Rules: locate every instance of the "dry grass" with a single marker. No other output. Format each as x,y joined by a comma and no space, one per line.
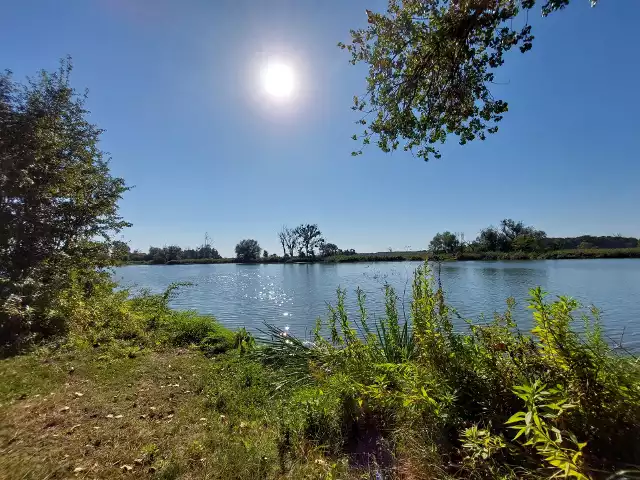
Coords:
92,416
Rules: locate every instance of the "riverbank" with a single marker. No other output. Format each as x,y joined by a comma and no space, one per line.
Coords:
424,255
136,388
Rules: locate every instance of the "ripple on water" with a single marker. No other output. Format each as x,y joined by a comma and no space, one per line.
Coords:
249,295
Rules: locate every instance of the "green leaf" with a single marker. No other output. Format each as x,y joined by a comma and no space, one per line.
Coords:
527,417
520,432
516,417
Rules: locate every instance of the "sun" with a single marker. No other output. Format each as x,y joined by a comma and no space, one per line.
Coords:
278,80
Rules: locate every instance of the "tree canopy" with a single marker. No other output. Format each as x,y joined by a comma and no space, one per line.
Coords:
248,249
431,66
309,236
58,200
445,242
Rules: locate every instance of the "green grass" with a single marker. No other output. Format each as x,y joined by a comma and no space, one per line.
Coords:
171,413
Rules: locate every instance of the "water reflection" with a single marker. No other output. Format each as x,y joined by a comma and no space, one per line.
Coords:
298,294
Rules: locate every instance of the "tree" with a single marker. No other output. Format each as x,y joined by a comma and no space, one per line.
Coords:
206,250
431,66
445,242
58,199
120,251
157,255
526,243
265,254
309,236
173,252
289,240
328,249
247,250
511,229
489,240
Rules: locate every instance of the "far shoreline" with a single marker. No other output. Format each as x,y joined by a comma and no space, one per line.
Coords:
572,254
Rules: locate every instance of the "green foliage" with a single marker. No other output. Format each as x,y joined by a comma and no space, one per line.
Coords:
247,250
545,406
480,444
424,386
328,249
445,242
58,202
243,341
431,66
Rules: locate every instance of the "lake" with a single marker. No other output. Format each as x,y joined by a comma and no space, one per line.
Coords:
297,294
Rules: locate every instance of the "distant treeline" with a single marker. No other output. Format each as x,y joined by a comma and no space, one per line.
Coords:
302,243
511,240
512,236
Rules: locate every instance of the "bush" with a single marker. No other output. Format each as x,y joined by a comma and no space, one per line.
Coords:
190,328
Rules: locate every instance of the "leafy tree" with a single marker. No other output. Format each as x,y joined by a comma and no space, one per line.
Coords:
309,236
58,200
445,242
489,240
158,255
328,249
289,240
511,229
265,254
247,250
120,251
431,66
526,243
173,252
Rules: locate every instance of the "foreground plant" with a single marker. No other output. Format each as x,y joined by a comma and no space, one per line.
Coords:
422,391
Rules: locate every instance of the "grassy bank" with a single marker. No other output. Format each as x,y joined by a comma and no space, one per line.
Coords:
137,388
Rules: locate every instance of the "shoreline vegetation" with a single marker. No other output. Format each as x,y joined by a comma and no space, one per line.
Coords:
416,256
512,240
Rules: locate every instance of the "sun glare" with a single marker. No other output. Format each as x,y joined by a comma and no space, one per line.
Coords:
278,80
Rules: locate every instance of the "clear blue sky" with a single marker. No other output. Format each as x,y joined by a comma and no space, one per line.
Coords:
176,87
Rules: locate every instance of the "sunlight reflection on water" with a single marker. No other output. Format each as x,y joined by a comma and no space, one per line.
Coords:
298,294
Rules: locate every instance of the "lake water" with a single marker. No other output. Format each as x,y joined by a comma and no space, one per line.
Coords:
297,294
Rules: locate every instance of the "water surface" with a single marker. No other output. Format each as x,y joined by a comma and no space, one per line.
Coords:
297,294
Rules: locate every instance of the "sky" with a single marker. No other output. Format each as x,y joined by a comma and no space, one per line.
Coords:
177,86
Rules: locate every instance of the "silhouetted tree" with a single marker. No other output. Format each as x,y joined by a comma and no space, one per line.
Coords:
289,240
247,250
310,236
328,249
